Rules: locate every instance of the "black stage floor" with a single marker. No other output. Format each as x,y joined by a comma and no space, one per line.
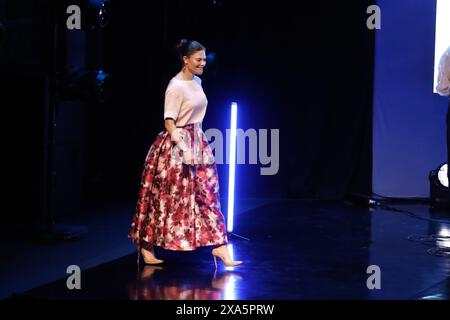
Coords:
293,250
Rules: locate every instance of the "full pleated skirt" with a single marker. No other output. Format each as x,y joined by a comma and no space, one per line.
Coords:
178,205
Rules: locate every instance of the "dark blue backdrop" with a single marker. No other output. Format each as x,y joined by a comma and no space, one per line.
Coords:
409,119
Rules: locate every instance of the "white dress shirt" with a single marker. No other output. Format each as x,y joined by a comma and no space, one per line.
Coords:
443,85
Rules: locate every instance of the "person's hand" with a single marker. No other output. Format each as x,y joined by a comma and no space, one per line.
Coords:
186,152
187,156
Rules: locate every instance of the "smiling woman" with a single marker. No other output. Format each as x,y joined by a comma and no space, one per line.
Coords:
179,204
192,57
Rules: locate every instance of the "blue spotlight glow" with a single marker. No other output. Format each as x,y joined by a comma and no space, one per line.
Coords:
232,167
96,3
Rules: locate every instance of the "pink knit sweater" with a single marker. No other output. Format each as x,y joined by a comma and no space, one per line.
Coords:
185,101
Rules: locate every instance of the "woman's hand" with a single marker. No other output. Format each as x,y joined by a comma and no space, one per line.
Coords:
187,157
176,137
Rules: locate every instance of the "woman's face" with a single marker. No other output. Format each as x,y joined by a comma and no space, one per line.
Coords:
196,62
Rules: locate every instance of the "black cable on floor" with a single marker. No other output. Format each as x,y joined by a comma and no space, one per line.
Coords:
411,214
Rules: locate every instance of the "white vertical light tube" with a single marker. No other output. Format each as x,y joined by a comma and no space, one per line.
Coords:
232,167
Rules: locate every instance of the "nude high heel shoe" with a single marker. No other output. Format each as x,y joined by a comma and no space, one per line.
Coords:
149,256
222,253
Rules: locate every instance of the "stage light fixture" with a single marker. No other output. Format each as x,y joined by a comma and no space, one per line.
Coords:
439,187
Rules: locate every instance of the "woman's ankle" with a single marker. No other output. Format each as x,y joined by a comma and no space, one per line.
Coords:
146,246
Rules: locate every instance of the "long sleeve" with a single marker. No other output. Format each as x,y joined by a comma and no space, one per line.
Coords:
172,104
443,82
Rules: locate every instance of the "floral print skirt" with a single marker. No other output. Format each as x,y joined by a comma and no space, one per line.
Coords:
178,205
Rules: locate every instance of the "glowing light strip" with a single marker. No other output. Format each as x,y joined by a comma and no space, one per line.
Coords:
232,167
